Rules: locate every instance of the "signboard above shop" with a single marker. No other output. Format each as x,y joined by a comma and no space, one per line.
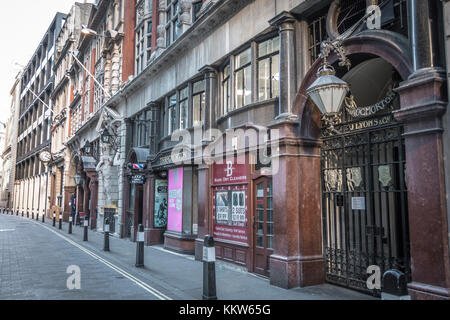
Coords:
137,179
230,171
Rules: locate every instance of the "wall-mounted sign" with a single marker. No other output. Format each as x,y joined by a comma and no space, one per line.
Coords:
230,172
358,203
137,179
175,211
161,203
167,159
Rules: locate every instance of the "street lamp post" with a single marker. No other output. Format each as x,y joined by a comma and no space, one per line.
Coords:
45,157
77,179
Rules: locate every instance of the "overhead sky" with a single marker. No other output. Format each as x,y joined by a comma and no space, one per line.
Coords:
23,24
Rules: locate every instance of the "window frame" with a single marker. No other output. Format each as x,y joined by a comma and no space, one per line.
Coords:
184,99
173,8
226,92
143,35
269,56
172,110
202,94
235,74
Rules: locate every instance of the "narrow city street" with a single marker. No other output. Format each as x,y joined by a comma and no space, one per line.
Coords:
35,258
34,261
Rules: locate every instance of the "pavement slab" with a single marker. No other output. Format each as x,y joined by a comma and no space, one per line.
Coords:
35,257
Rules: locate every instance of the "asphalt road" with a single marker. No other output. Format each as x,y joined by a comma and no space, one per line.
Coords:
35,259
34,262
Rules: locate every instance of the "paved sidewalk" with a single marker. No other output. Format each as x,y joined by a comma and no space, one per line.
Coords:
182,276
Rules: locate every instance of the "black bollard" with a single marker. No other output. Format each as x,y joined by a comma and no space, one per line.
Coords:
32,215
140,247
70,224
43,217
28,214
37,216
23,214
86,224
106,230
209,269
60,221
54,220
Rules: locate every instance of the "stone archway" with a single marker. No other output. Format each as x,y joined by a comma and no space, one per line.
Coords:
298,255
387,45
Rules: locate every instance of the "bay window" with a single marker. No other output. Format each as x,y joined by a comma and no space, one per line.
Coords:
172,108
143,34
184,108
243,79
226,87
268,69
173,26
198,97
141,130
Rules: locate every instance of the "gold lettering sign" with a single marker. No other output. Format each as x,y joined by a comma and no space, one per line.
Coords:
362,112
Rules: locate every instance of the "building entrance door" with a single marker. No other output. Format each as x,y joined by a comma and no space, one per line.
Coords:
263,226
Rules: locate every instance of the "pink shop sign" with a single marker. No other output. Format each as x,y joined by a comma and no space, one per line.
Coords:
175,212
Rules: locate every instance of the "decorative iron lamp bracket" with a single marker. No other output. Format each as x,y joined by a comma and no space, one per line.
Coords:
328,91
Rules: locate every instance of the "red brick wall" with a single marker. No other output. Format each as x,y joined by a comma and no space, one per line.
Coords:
84,94
91,98
129,38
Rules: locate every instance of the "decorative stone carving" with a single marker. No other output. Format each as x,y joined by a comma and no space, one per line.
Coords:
185,14
161,29
140,12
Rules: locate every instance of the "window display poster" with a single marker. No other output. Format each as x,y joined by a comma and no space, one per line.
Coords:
238,206
161,203
230,214
222,206
175,211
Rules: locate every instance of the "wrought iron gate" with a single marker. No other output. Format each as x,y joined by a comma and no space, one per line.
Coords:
364,198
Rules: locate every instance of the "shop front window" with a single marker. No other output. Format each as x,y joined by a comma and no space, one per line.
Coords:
131,198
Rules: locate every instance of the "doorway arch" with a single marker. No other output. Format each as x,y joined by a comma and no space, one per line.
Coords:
390,46
393,50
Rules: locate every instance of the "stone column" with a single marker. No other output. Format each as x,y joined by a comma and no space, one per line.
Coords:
285,22
203,209
423,102
115,68
297,259
186,15
210,98
161,29
446,118
107,76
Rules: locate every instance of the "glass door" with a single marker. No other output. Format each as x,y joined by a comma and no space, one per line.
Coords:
263,226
